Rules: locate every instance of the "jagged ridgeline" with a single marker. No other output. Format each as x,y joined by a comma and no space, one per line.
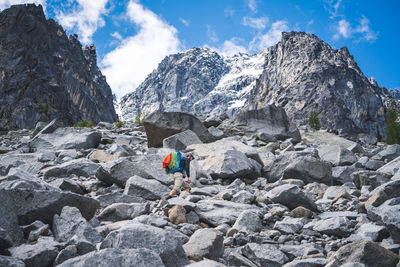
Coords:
301,73
46,75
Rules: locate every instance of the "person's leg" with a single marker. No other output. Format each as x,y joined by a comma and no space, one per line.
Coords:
178,180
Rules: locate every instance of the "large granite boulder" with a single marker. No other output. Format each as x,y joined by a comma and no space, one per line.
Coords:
70,222
217,212
291,196
269,120
181,140
391,167
145,188
116,257
10,232
80,167
46,74
123,211
264,254
365,252
337,155
205,243
309,169
160,125
138,235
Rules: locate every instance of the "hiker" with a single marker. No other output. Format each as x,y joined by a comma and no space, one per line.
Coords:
180,172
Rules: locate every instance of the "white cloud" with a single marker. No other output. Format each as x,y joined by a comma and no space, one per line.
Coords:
362,30
256,23
252,4
270,38
84,18
229,12
333,8
185,22
137,56
7,3
230,47
212,35
117,35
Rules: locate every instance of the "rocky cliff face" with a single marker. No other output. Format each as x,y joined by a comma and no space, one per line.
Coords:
301,74
46,75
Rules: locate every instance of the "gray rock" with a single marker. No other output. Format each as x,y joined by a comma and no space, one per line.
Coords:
337,155
248,221
116,197
337,226
47,156
369,231
145,188
299,251
236,259
264,254
116,257
244,197
151,219
42,231
79,167
270,120
181,140
309,169
31,204
366,252
374,164
10,232
160,125
66,184
41,253
166,245
342,174
206,262
313,262
204,243
123,211
384,192
291,196
290,225
189,206
372,178
6,261
70,222
217,212
387,214
390,168
388,154
147,166
67,253
26,161
67,138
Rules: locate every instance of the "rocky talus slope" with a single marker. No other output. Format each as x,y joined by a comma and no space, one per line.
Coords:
301,73
46,75
96,197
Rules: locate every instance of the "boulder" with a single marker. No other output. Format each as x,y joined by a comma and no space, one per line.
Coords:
217,212
301,251
367,177
388,154
41,204
177,214
116,257
26,161
337,155
336,226
248,221
66,184
290,225
145,188
67,138
313,262
244,197
369,231
205,243
182,140
116,197
206,262
189,206
146,166
137,235
70,222
160,125
384,192
270,120
41,253
366,252
123,211
301,212
10,232
342,174
80,167
291,196
6,261
390,168
388,215
264,254
230,165
309,169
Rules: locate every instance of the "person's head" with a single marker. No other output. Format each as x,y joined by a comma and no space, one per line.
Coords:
190,156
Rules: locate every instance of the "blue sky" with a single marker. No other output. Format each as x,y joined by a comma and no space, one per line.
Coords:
133,36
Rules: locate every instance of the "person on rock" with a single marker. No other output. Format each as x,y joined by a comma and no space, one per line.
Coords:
180,174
